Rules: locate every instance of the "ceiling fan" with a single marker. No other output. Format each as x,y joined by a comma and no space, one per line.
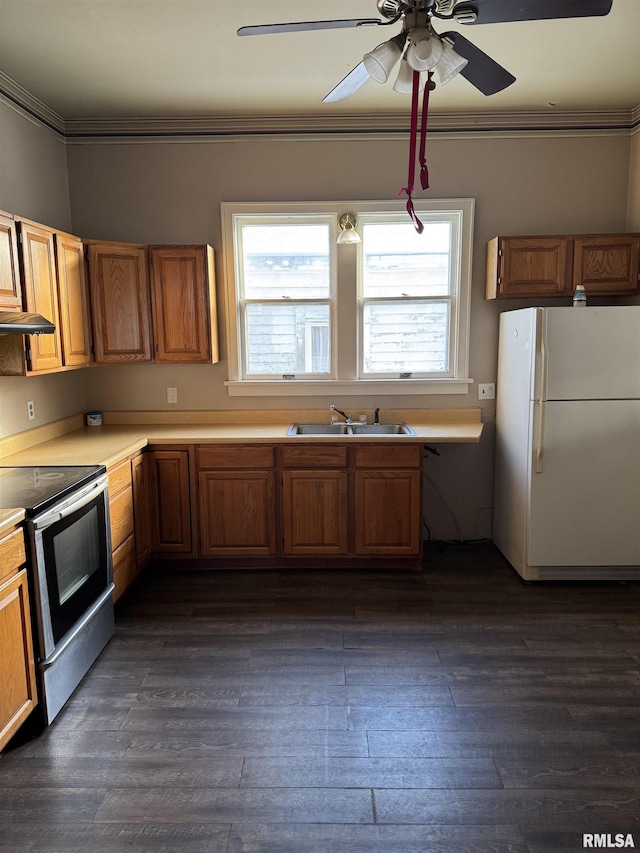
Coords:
447,53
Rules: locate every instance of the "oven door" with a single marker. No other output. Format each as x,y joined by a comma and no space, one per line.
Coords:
73,566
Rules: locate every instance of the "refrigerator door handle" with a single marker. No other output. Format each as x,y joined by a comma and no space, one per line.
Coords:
539,445
540,381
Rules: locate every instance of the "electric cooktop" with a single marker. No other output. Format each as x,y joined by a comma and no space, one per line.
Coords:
35,489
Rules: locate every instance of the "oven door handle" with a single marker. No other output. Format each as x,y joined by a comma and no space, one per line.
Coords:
53,515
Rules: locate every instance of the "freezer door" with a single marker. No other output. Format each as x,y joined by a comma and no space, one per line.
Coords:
591,353
584,505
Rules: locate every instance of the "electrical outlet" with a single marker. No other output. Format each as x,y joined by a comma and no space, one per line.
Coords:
172,395
486,391
31,410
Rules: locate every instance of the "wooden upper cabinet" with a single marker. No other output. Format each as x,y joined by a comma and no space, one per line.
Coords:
10,290
119,284
41,293
607,263
184,304
528,266
74,301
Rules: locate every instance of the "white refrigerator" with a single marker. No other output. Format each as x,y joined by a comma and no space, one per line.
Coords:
567,469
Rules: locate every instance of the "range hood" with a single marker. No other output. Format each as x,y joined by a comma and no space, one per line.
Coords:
21,323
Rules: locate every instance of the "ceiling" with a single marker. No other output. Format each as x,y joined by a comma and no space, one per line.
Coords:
124,59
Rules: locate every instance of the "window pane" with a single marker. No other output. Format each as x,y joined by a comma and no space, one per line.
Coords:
285,261
406,337
398,261
288,338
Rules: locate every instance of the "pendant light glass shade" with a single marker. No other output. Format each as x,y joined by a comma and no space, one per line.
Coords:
380,61
449,64
404,80
424,51
348,233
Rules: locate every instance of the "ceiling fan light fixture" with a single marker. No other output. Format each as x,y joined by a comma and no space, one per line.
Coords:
449,65
380,61
424,51
404,80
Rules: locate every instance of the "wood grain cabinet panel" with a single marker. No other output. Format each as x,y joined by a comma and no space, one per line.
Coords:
607,264
73,301
528,266
18,696
237,513
171,501
10,289
120,300
388,512
41,294
141,508
315,512
184,304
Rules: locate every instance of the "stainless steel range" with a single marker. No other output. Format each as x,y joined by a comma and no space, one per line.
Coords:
71,569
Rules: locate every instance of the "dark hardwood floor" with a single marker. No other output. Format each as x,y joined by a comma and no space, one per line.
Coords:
454,710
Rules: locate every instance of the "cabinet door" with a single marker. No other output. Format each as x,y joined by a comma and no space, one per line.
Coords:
529,266
41,294
237,513
183,304
315,512
17,666
607,264
141,507
10,291
388,512
74,301
119,283
169,470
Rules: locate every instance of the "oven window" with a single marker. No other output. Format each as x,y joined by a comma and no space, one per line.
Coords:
78,566
77,554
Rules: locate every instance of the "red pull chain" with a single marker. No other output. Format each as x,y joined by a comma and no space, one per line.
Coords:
424,171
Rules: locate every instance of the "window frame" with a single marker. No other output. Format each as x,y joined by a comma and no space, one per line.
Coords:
344,324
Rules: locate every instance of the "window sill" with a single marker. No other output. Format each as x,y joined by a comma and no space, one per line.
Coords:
354,387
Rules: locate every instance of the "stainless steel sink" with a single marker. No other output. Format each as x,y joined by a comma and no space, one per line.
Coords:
318,429
382,429
350,429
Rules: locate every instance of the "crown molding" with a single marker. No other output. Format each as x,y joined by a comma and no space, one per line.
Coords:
316,125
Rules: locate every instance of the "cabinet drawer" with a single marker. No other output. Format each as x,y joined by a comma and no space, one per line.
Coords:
119,478
383,456
121,510
12,553
314,456
125,568
235,456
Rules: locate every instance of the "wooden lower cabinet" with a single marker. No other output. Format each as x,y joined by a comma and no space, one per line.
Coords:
388,512
315,512
18,696
237,513
169,479
141,508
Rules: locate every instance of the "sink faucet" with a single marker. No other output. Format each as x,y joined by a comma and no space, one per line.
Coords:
376,416
347,418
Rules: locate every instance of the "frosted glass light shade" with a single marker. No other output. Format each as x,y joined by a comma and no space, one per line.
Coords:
348,233
449,64
380,61
404,80
424,51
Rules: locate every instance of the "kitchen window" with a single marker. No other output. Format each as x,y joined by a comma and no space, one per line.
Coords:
387,315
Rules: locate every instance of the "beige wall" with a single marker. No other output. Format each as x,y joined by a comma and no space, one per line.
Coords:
34,183
171,192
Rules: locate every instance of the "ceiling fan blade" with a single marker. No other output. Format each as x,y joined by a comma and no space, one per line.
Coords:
349,85
305,26
500,11
481,71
